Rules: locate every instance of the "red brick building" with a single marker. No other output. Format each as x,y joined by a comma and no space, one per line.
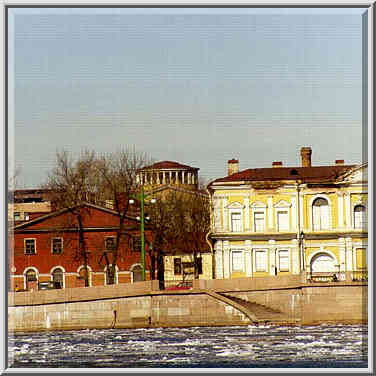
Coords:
46,249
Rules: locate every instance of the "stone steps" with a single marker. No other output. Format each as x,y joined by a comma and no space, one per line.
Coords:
263,313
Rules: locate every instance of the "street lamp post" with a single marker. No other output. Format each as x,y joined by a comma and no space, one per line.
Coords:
142,197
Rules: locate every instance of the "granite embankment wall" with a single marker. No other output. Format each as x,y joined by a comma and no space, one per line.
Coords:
143,305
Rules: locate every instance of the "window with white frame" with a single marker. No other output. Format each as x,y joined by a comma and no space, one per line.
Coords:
236,222
259,221
261,262
283,220
30,248
360,220
320,214
17,216
237,261
283,260
57,246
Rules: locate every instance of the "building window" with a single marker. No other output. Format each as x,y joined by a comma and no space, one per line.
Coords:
361,259
283,220
261,261
110,243
320,214
30,247
31,276
237,261
283,258
111,275
236,222
177,266
57,246
26,216
259,221
57,277
360,221
17,216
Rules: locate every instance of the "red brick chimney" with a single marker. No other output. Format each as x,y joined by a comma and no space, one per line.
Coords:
306,153
340,162
232,166
277,164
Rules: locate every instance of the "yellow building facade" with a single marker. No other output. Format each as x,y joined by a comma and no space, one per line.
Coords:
291,220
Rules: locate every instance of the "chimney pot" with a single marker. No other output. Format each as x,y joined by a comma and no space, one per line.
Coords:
277,164
232,166
340,161
306,153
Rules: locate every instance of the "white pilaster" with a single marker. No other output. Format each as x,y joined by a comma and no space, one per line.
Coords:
302,227
293,213
348,210
340,210
226,259
248,258
270,213
246,203
218,259
349,255
225,214
295,257
272,258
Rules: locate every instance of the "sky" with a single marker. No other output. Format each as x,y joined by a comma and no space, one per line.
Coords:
196,86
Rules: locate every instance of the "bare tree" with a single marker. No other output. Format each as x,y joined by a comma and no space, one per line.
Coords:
72,184
118,174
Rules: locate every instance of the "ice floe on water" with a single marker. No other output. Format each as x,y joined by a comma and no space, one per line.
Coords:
203,347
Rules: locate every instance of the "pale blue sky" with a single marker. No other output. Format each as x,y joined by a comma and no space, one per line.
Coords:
198,86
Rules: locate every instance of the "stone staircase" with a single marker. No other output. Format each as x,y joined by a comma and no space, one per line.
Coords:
263,313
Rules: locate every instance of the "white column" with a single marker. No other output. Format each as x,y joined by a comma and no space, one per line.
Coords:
170,177
248,258
340,210
270,213
272,258
246,203
183,177
348,210
226,259
293,213
163,177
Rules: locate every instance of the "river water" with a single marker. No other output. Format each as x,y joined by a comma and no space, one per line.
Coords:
330,346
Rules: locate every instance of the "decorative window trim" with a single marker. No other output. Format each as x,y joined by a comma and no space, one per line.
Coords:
258,206
131,270
61,268
236,211
282,204
25,272
35,246
232,260
311,201
281,210
288,250
90,272
321,250
52,245
255,269
353,206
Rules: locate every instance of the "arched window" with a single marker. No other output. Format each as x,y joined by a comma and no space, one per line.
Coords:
360,221
31,279
320,214
137,273
57,278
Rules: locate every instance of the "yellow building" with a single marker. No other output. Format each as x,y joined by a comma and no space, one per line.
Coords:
291,220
